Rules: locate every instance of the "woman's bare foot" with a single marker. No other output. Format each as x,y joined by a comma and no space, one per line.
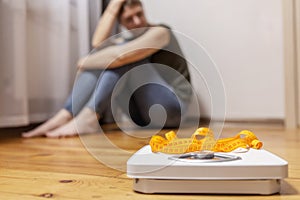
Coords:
85,122
61,118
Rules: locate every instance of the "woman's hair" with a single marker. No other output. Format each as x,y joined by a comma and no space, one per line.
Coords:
129,3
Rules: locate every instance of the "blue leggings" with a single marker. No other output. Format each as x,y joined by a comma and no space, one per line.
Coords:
95,88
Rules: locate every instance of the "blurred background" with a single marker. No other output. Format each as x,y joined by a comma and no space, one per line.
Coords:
254,45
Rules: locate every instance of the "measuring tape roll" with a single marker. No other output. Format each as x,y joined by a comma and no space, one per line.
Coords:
171,144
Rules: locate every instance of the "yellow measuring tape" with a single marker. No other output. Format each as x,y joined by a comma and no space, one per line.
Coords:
173,145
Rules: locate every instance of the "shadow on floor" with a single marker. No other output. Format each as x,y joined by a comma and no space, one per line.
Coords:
16,131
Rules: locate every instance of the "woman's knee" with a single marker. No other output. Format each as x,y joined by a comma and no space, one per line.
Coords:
174,115
169,112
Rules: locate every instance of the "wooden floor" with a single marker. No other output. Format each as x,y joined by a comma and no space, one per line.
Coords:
92,167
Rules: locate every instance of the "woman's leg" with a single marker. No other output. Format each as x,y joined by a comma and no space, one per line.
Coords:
81,92
155,106
87,119
149,89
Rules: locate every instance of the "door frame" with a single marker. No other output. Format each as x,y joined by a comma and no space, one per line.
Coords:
291,31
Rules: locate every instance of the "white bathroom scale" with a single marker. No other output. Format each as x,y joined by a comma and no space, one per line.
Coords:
251,172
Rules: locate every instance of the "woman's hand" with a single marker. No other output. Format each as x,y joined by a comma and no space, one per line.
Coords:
114,6
80,63
100,59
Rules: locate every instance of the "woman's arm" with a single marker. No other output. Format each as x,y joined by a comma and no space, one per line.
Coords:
116,56
106,22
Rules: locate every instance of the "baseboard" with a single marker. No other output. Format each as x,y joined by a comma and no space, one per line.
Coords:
247,123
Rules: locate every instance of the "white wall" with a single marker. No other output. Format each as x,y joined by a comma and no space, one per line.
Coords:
244,39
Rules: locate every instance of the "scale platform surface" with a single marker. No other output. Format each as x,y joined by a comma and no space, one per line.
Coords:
251,172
